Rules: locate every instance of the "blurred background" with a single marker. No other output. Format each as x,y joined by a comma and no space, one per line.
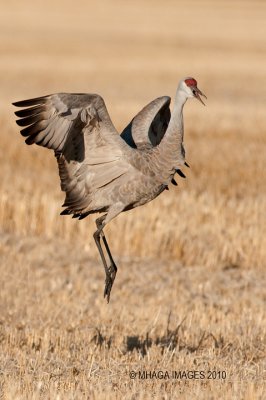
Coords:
130,53
190,288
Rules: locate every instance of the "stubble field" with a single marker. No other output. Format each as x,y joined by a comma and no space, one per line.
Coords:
189,297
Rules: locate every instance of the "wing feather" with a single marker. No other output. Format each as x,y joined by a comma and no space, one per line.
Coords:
27,112
101,175
31,102
87,146
148,127
34,129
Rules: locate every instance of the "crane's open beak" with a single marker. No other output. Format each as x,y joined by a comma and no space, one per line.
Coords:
197,93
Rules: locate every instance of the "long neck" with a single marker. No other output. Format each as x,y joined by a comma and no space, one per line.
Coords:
176,126
170,149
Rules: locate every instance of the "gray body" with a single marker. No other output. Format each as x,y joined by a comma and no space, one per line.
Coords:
100,170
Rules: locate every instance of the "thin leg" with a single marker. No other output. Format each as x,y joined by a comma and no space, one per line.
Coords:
110,278
97,235
107,248
110,272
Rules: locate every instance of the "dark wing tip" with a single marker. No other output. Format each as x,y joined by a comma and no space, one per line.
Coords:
30,102
66,212
180,173
30,117
26,131
28,120
174,182
30,111
30,140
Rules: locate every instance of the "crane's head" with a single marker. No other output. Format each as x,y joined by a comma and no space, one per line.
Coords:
189,86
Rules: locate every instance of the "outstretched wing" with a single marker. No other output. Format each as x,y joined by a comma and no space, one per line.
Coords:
148,127
52,120
88,149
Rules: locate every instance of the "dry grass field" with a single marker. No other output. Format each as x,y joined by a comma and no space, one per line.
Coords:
189,296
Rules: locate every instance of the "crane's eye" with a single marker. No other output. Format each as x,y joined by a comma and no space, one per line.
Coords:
194,92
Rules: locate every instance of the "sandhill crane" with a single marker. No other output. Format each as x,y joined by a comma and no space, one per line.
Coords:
100,170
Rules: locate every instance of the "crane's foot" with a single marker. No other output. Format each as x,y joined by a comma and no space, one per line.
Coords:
109,280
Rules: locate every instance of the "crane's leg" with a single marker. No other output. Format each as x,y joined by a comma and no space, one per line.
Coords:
110,277
110,272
